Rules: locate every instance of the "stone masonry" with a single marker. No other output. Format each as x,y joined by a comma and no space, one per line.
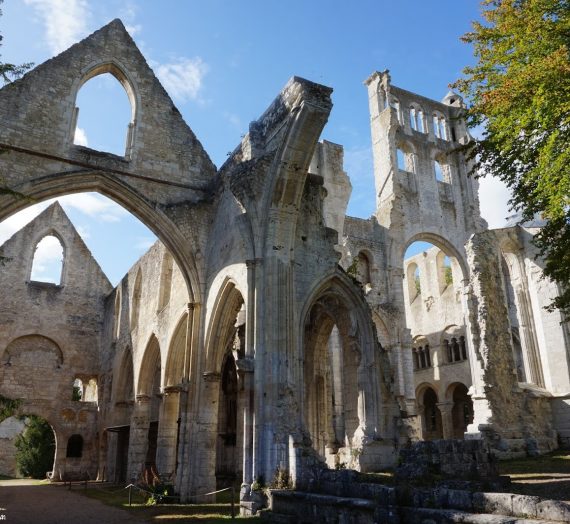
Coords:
266,332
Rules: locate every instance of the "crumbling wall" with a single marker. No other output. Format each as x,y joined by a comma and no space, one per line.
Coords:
515,421
49,335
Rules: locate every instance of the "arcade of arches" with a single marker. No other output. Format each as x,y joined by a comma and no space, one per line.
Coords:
266,330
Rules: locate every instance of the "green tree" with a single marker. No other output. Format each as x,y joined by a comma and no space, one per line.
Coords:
519,92
9,72
35,448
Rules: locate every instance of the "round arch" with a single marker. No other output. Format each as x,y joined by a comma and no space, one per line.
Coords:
109,185
32,340
423,387
440,242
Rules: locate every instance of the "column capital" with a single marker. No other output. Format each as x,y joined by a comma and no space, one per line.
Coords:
169,390
211,376
142,398
245,365
445,406
251,263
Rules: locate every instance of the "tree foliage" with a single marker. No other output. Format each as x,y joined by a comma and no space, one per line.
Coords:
519,91
9,72
35,448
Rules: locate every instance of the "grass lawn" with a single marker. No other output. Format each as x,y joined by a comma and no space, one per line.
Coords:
167,513
546,476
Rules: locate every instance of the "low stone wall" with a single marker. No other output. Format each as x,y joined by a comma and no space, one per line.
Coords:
412,506
455,459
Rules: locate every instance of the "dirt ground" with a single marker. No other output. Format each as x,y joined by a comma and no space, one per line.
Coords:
26,502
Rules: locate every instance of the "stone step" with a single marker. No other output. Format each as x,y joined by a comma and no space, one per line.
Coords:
452,516
423,507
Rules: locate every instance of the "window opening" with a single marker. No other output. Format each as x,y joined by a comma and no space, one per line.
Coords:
165,280
413,121
47,265
401,160
438,171
77,393
104,115
135,305
75,446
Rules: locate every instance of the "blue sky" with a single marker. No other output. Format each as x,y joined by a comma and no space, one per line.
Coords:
223,62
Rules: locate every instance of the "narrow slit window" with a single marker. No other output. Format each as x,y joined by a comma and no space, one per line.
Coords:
438,171
401,160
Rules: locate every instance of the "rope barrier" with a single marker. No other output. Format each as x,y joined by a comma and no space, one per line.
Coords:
161,497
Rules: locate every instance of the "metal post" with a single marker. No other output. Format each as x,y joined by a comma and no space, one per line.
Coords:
233,498
130,493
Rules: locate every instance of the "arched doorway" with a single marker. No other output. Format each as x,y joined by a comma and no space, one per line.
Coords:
118,431
228,388
432,427
341,392
462,411
28,446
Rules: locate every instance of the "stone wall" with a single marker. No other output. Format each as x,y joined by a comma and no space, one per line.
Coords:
50,335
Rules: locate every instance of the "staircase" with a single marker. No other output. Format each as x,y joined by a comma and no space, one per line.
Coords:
362,503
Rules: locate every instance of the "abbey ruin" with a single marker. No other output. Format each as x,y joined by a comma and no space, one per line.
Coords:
266,330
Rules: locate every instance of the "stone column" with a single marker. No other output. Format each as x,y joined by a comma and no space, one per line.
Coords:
138,438
421,409
245,372
206,435
168,433
446,410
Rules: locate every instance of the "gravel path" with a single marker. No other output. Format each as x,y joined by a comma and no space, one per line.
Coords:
25,502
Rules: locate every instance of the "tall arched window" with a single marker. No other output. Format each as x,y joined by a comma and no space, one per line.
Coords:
165,280
47,265
444,271
406,158
395,104
413,278
117,313
105,111
136,301
440,126
417,119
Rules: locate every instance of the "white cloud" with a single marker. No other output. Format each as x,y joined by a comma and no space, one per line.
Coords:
183,78
133,29
493,199
16,222
80,137
144,243
128,14
65,21
94,206
233,119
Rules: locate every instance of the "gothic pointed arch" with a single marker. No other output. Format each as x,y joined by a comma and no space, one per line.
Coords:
174,372
148,368
338,348
221,328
